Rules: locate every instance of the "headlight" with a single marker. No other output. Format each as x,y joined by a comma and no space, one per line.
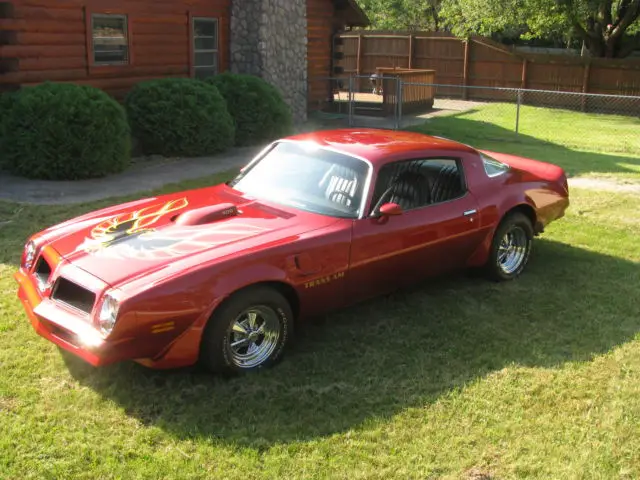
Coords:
29,255
108,314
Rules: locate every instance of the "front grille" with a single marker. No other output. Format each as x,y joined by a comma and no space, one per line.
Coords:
74,295
42,272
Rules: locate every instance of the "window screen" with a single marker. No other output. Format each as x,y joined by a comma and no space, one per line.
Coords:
205,47
110,39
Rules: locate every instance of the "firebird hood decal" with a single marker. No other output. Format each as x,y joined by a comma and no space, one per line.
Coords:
123,243
132,235
168,243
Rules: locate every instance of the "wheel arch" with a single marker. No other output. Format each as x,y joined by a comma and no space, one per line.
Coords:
528,211
481,255
282,287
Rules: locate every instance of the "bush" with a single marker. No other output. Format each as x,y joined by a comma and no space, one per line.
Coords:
179,117
259,112
6,104
60,131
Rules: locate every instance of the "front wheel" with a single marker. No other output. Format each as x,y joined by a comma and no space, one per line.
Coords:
248,332
511,248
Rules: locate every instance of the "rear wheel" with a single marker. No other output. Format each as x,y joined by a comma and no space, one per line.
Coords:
247,332
511,248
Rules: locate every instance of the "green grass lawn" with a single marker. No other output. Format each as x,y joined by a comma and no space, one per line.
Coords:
583,144
456,378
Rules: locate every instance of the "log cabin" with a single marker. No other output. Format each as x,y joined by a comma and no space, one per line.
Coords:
113,44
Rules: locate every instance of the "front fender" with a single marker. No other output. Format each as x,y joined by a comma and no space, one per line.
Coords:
185,349
235,279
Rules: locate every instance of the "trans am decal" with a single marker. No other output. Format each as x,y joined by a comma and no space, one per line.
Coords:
132,235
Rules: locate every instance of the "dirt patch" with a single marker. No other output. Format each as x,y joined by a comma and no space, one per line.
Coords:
478,474
607,184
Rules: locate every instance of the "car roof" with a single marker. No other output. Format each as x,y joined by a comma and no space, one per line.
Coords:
380,145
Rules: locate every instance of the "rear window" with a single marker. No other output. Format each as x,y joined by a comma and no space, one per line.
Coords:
492,166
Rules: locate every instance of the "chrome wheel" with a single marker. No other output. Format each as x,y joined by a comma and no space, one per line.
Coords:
513,250
253,336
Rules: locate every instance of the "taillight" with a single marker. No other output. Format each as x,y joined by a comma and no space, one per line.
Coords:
29,255
565,183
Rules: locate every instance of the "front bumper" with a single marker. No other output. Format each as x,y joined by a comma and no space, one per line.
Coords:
69,329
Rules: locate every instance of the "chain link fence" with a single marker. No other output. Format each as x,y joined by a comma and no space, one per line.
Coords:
579,120
358,100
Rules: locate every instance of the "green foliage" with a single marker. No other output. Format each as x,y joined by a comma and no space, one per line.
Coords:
6,104
64,132
179,117
606,26
481,17
259,112
403,14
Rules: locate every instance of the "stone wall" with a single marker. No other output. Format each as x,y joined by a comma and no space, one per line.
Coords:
269,39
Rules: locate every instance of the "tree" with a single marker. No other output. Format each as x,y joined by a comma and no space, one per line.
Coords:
403,14
608,28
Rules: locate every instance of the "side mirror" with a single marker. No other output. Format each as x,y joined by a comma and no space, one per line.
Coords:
390,210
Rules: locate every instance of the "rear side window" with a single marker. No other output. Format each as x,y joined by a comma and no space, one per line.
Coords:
492,166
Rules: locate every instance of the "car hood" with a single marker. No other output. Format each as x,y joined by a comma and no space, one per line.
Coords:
134,239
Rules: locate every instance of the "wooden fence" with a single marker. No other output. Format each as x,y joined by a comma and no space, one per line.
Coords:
478,61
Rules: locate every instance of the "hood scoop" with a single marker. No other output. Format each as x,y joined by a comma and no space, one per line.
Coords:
208,214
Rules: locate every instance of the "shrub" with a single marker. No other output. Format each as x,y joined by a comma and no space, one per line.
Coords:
259,112
179,116
58,131
6,104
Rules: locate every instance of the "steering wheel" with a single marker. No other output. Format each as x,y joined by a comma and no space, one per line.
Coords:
342,194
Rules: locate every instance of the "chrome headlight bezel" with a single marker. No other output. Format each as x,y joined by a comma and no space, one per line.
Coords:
29,255
108,313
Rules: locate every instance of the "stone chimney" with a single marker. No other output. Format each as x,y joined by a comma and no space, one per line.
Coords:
269,39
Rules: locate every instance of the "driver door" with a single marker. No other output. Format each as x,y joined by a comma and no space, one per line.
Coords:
436,232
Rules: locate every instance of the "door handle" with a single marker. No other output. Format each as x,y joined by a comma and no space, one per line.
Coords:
470,212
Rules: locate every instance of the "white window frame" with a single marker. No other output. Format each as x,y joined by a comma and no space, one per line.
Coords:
124,17
214,52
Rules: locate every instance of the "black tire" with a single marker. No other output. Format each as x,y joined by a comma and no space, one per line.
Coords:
518,225
217,353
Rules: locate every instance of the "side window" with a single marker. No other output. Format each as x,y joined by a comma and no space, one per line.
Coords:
493,167
419,183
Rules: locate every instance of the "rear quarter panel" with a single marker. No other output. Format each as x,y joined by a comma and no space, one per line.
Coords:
498,195
541,185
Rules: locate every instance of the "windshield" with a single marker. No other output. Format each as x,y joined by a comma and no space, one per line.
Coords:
307,177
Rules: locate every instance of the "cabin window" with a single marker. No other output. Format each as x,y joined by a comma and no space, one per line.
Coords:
419,183
110,39
205,47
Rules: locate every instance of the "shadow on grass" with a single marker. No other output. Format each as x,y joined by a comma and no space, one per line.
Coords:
489,136
405,350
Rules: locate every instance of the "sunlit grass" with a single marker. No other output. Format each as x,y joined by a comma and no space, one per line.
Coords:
538,378
584,144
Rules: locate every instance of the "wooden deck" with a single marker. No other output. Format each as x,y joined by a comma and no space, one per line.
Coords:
358,97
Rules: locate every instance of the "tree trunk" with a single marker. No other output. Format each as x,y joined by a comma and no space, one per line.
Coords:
599,46
604,34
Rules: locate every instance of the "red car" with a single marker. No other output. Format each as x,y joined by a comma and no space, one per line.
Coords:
313,223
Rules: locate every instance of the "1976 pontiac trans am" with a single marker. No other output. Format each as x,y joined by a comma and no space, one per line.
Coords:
220,275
